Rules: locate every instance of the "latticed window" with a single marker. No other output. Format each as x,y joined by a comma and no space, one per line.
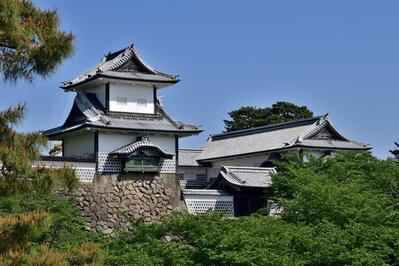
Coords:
142,164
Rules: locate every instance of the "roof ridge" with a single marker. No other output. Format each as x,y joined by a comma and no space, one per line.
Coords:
249,167
112,62
324,122
253,130
228,172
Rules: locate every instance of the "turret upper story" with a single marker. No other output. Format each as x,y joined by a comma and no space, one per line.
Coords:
123,82
120,94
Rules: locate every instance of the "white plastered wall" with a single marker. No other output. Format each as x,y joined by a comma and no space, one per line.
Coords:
79,145
249,161
131,98
188,169
108,142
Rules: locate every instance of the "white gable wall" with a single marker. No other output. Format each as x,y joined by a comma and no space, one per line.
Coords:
166,142
131,98
80,145
108,142
249,161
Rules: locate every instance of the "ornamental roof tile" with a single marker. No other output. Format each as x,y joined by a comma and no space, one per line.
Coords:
124,64
139,144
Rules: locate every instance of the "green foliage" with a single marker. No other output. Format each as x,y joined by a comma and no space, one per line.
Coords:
18,152
30,40
248,116
341,189
37,227
253,240
337,211
50,223
395,152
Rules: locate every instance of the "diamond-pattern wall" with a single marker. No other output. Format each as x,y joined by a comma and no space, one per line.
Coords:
108,164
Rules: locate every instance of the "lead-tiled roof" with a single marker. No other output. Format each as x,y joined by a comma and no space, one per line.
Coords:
295,134
87,112
188,157
253,177
124,64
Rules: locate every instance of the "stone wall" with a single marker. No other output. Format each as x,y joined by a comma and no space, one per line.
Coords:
106,203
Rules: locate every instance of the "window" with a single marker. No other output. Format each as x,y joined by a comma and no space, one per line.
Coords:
121,101
141,103
142,164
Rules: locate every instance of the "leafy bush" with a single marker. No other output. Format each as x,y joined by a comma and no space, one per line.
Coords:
337,211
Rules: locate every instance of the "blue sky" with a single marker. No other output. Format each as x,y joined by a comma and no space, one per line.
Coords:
336,57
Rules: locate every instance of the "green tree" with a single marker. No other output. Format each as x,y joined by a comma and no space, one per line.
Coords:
313,189
248,116
395,152
31,42
18,152
337,211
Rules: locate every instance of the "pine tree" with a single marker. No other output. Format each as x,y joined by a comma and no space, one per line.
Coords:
395,152
31,42
248,116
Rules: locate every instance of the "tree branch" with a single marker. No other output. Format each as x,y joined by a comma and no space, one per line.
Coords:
9,46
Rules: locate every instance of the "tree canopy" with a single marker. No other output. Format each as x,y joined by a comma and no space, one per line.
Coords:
33,220
248,116
31,42
337,211
395,152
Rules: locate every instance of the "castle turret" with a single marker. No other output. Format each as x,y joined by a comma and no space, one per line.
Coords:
116,104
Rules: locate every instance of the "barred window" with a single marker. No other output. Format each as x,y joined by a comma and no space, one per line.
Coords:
121,101
141,103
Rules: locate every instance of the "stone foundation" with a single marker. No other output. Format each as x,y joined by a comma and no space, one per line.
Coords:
112,198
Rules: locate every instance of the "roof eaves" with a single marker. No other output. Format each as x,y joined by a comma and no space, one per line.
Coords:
144,130
101,75
112,62
62,130
365,148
